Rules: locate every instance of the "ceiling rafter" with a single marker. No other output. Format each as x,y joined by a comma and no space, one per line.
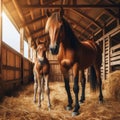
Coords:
40,37
17,7
36,31
86,16
69,6
81,34
35,20
78,24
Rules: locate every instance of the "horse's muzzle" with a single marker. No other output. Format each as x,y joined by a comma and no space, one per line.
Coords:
55,50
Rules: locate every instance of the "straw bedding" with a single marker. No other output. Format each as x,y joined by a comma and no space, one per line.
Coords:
112,84
20,106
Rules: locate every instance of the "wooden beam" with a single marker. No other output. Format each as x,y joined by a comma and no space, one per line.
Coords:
22,41
79,25
112,13
35,20
88,17
40,37
19,11
70,6
36,31
0,38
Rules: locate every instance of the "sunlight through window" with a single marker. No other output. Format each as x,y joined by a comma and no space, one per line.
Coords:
10,35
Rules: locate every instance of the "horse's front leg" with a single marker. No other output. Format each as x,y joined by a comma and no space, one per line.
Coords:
35,87
83,82
47,89
67,88
76,89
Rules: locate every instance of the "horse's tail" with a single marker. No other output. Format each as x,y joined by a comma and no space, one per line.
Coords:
93,79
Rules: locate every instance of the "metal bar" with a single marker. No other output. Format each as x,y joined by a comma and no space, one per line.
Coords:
70,6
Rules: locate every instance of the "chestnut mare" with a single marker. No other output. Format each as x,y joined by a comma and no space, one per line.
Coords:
41,75
73,54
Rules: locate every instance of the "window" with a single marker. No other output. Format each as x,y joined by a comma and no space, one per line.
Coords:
10,35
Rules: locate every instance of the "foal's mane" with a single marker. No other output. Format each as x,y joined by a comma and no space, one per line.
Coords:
70,34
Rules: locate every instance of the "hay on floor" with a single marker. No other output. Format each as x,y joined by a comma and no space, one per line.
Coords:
112,85
20,106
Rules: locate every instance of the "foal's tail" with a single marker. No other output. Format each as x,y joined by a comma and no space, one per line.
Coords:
93,79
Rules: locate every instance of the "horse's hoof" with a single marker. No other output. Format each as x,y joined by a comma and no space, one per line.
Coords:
69,108
39,106
34,101
101,102
75,113
81,101
49,109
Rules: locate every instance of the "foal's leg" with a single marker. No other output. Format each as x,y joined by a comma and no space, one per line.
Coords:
98,75
76,89
83,82
39,90
47,89
42,88
35,87
67,88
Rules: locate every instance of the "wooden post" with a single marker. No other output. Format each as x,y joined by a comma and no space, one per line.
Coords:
22,41
0,38
109,68
29,47
1,82
22,53
103,55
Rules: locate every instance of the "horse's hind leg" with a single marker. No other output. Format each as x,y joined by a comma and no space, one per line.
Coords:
98,75
47,89
35,87
83,82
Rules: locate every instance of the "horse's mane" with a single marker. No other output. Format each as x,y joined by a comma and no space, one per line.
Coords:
70,34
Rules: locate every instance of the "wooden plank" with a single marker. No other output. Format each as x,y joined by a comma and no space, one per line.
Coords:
115,54
115,63
115,47
115,58
69,6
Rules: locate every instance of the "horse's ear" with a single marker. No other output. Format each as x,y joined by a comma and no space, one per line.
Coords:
37,41
61,12
48,14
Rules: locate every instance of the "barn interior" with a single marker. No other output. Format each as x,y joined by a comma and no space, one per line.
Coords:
97,20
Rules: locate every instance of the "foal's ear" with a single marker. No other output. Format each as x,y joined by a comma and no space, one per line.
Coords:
48,14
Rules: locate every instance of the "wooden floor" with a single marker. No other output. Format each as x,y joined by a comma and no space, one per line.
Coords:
20,106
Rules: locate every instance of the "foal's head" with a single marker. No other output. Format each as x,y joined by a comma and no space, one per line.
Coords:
41,49
53,27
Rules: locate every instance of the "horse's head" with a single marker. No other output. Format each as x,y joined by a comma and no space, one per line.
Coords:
54,27
41,49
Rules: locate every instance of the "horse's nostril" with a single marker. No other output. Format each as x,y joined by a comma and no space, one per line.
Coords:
54,51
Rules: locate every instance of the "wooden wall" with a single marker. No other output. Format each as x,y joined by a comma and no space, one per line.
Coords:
111,52
55,72
15,68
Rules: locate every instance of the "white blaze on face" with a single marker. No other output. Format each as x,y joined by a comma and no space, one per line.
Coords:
52,26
